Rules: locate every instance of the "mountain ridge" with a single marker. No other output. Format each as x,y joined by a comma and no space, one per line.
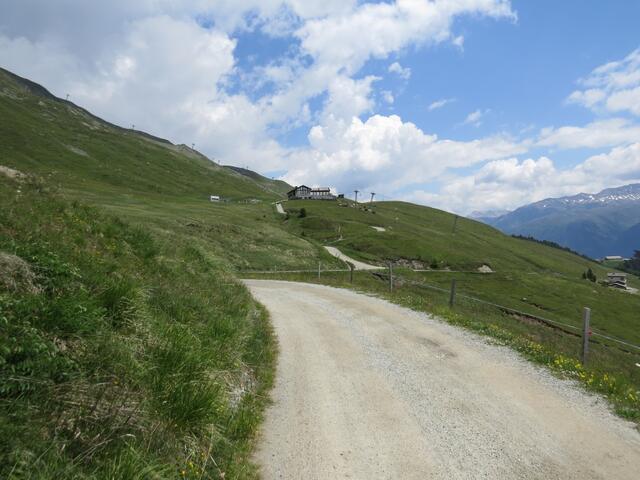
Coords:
596,225
9,81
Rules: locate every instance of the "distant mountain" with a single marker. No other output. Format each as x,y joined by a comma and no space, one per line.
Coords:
487,215
606,223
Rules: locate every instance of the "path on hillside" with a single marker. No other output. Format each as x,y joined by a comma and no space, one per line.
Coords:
279,208
357,265
369,390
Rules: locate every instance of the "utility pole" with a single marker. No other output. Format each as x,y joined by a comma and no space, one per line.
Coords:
455,224
373,194
67,97
356,192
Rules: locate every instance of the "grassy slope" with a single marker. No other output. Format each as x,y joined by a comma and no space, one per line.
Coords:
529,276
54,138
127,355
163,186
136,351
277,186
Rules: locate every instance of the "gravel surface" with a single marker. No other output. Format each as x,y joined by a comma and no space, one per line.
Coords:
279,209
357,265
369,390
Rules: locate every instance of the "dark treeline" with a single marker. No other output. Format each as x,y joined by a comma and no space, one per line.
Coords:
549,243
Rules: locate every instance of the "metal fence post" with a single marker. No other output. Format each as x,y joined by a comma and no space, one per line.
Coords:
390,277
452,293
586,333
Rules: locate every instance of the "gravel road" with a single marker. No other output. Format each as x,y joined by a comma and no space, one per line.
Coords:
357,265
369,390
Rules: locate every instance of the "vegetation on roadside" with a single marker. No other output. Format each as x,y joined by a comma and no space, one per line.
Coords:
122,354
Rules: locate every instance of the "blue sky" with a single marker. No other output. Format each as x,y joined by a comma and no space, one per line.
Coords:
464,105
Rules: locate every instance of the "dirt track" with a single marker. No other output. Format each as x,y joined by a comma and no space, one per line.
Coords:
357,265
369,390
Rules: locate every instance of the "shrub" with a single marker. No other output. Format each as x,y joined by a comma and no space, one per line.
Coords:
303,213
589,275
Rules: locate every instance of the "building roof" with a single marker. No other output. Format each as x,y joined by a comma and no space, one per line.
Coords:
616,274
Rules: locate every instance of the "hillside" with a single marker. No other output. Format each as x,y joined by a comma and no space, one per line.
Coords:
127,345
597,225
278,186
55,138
528,276
144,178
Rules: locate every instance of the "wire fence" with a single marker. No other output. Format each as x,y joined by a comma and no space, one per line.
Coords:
397,281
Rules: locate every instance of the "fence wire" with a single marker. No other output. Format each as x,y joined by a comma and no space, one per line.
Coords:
566,327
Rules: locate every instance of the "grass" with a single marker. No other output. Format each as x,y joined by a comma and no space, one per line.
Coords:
136,353
123,354
528,276
147,181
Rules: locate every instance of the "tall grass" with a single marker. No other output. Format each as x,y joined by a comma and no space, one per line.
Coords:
134,355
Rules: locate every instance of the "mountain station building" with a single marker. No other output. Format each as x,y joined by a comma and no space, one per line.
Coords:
303,192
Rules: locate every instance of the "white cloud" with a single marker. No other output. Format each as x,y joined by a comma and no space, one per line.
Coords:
349,98
402,72
378,29
151,64
614,86
510,183
387,96
386,153
598,134
622,100
475,118
440,103
621,165
589,98
458,42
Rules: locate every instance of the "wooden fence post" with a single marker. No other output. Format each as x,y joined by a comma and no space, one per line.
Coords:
452,293
390,277
586,333
350,273
319,267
